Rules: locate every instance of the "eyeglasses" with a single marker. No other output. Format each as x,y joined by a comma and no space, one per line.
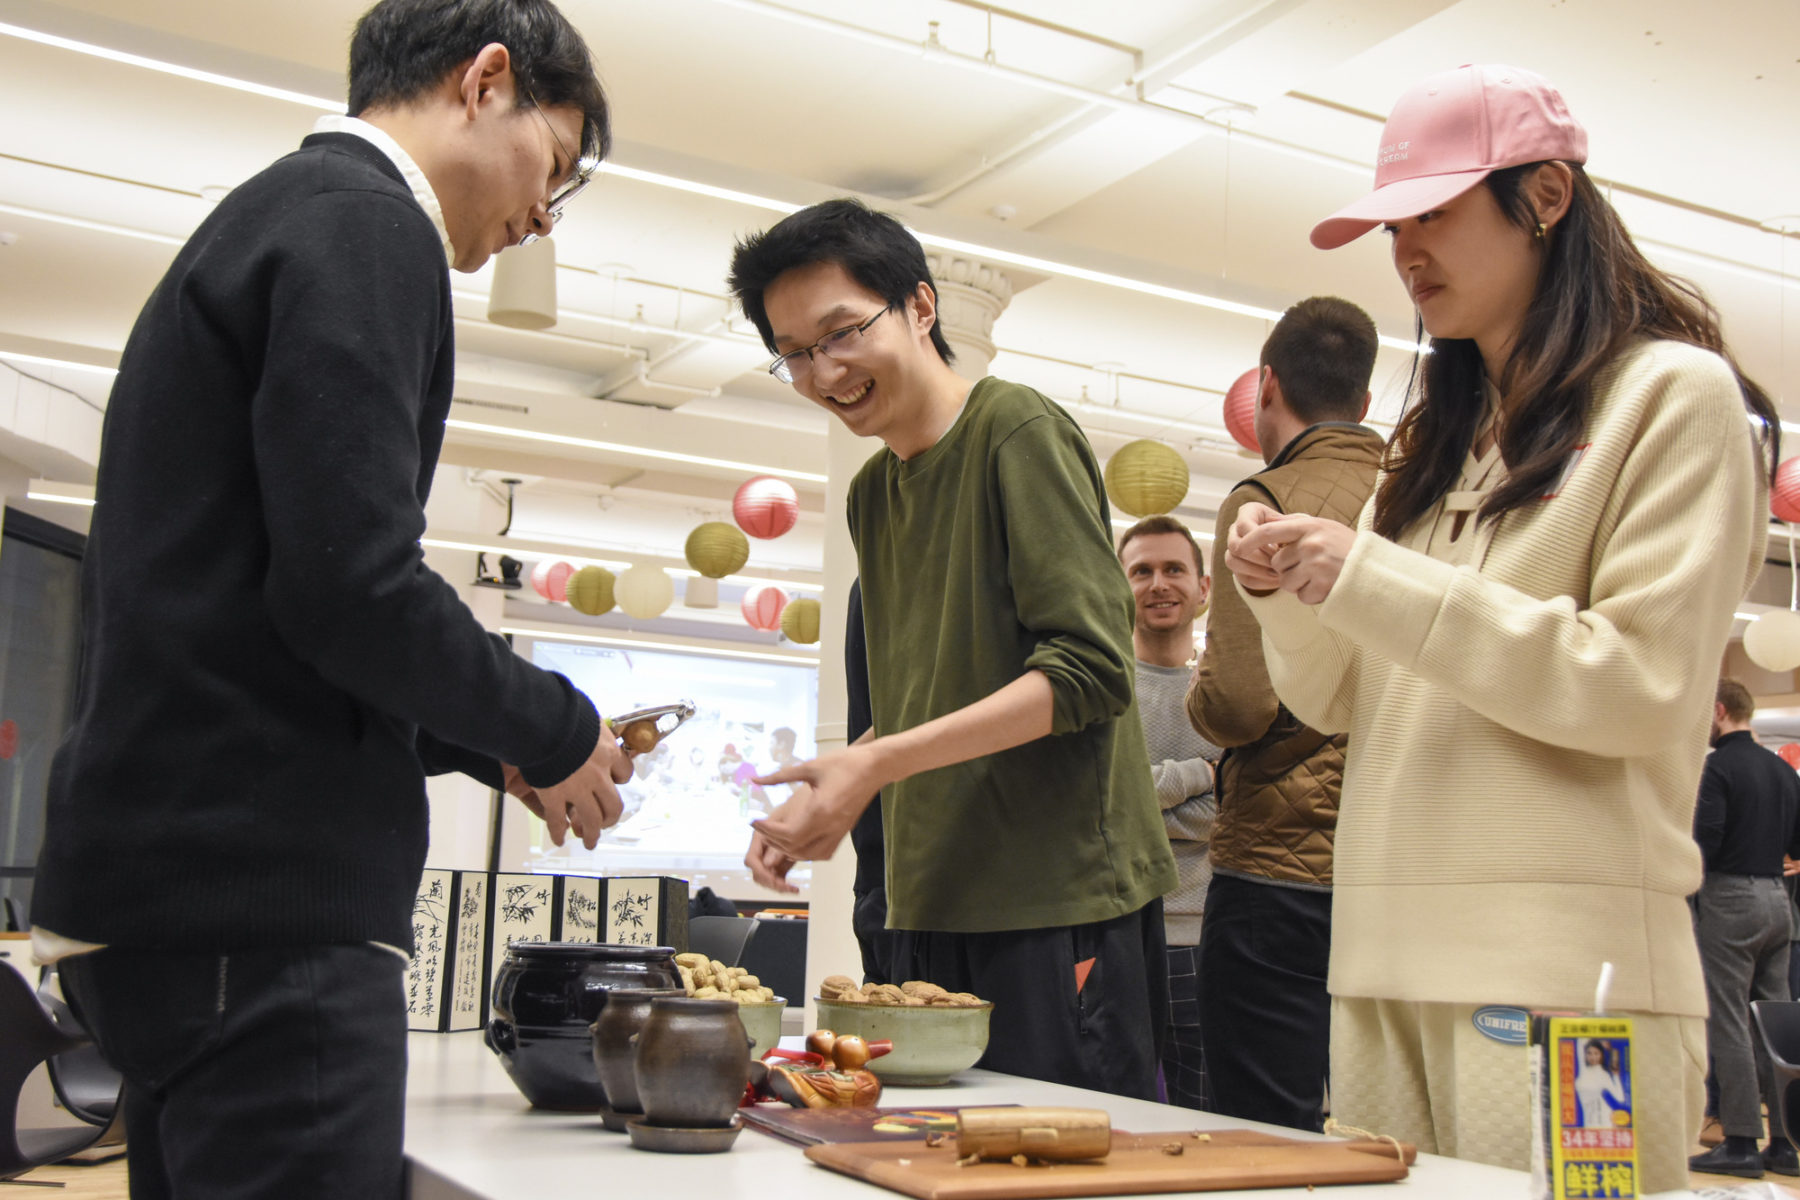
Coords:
834,345
585,169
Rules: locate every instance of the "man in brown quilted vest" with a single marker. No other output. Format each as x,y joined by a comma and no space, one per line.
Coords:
1265,1017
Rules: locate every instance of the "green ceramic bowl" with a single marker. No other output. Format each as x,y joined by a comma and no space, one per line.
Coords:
763,1023
931,1043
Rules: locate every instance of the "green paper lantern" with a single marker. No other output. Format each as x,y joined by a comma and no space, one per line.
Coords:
590,590
800,621
1146,477
716,549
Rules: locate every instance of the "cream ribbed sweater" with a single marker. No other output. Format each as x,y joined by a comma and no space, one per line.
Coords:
1527,729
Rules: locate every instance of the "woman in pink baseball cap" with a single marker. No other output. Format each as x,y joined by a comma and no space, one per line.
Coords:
1522,634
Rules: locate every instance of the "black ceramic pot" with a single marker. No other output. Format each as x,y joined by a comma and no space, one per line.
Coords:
692,1062
614,1045
546,995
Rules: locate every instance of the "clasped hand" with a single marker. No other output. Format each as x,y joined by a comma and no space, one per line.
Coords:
830,794
1269,550
587,801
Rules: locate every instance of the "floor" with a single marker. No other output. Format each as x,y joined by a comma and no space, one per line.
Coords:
106,1181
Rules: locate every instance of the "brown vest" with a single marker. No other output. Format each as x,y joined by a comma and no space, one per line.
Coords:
1278,795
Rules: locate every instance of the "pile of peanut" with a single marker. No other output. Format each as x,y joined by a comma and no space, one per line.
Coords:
914,993
709,979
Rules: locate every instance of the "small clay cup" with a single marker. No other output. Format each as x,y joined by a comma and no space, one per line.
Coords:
692,1062
613,1042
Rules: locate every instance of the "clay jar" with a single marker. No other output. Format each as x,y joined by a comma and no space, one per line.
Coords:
546,995
693,1060
613,1045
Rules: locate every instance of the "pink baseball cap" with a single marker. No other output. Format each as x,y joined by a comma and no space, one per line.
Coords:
1448,133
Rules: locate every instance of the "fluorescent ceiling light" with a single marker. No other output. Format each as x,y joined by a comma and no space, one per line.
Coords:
168,68
612,564
50,491
541,633
61,363
38,214
699,189
532,435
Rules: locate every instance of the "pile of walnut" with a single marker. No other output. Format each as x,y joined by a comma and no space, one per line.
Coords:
914,993
709,979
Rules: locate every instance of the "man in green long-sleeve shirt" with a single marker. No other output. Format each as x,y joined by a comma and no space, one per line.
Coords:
1026,857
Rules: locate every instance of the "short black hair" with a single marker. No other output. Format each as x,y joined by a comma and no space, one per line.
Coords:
1163,523
1323,352
873,248
402,49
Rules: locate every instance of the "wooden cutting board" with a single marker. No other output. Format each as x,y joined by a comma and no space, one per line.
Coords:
1234,1158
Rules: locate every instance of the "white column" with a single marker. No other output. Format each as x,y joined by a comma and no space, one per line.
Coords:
971,296
831,947
462,808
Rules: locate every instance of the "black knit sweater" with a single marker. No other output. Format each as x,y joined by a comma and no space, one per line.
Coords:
269,668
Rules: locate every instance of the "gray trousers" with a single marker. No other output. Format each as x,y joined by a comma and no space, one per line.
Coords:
1743,924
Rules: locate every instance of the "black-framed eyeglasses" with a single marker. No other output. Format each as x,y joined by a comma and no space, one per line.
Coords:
584,171
833,345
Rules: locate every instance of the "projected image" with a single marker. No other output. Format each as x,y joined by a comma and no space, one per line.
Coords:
690,802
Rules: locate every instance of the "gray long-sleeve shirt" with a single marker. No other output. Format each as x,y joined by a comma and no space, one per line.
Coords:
1181,764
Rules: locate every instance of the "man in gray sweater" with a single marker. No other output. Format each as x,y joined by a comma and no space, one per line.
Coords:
1170,585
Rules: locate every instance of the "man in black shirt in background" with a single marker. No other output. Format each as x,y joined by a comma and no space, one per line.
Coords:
1747,817
237,821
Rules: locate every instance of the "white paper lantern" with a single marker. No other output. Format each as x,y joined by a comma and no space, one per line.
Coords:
1773,641
644,592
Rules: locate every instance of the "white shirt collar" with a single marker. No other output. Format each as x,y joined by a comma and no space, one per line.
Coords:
409,170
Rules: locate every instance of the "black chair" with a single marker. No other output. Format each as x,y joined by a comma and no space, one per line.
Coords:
32,1036
777,956
1779,1023
723,938
85,1083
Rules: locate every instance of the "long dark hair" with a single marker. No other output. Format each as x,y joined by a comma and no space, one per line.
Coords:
1595,294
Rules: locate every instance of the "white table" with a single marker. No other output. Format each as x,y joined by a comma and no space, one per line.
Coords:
471,1136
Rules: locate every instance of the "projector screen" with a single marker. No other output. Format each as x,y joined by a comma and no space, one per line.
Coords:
689,805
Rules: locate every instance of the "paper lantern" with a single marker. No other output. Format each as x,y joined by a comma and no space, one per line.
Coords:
1240,409
765,507
762,608
1773,641
1784,492
644,592
590,590
716,549
1790,754
800,621
550,579
1146,477
700,592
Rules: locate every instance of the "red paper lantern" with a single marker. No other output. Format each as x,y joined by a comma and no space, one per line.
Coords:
1240,409
765,507
762,608
1790,754
550,579
1784,492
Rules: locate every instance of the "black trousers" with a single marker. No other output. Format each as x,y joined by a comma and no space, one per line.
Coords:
271,1073
1077,1004
1265,1017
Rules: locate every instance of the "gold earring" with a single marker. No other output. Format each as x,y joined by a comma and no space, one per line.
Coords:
1540,231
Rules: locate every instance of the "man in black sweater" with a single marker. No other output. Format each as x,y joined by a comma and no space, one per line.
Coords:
237,821
1748,816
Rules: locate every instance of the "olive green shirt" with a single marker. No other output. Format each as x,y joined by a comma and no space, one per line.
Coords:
984,557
